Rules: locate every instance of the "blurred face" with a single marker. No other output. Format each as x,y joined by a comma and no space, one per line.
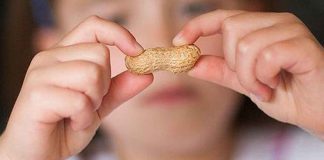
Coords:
176,113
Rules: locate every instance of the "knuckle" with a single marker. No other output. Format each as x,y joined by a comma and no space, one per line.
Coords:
288,16
309,41
244,47
279,47
38,58
93,19
103,53
268,55
246,82
220,11
215,12
82,102
191,25
93,74
228,25
312,46
259,72
36,94
299,28
33,75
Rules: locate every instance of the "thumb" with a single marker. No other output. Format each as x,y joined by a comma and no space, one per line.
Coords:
123,87
214,69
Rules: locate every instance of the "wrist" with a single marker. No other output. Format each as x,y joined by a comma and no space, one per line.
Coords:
3,154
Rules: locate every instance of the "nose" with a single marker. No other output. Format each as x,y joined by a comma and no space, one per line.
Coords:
156,28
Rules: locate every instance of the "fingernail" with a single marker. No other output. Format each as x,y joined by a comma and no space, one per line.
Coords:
256,97
179,40
139,48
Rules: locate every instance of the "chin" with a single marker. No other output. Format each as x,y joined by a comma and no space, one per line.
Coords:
183,123
182,130
184,143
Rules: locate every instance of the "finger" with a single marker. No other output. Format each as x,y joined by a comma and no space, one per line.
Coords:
297,56
52,104
204,25
92,52
215,69
236,27
123,87
95,29
233,25
250,46
83,76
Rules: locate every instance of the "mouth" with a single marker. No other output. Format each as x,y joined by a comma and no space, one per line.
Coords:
171,96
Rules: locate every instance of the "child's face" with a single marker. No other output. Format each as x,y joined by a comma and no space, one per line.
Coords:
176,112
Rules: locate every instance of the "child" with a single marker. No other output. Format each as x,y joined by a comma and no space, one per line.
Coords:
71,88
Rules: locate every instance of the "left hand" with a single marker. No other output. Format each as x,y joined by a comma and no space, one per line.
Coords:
271,57
68,90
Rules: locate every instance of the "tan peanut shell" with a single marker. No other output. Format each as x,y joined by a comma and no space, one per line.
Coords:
174,59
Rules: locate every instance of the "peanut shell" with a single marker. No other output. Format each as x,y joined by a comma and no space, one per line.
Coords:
175,59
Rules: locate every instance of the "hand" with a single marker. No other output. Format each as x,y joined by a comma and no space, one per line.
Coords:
68,90
271,57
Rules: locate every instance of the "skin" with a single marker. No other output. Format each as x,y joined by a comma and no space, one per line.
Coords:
77,78
277,62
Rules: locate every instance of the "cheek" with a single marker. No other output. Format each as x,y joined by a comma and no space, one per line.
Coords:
211,45
117,60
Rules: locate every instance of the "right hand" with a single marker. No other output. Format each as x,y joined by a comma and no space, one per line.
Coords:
68,90
271,57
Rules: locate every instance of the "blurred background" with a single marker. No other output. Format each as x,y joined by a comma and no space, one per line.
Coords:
16,28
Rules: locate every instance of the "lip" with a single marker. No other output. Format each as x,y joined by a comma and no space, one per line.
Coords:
171,95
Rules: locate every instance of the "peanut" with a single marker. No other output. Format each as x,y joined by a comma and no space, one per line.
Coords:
175,59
